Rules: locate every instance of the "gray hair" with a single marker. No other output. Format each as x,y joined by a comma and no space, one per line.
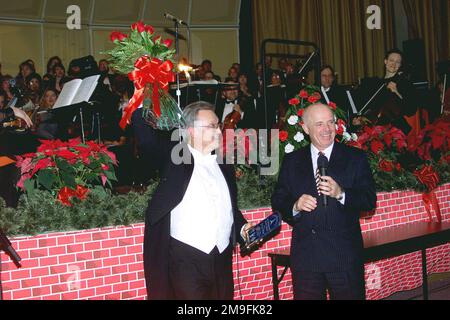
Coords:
191,111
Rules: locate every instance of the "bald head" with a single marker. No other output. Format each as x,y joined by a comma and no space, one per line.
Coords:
319,124
313,108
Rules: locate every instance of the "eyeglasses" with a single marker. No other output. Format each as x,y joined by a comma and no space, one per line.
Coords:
211,126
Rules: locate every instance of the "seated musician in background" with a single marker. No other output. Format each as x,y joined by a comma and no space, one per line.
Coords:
234,108
396,100
44,124
8,171
6,87
34,88
330,90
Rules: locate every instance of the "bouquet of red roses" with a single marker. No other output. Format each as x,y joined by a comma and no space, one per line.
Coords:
148,61
66,169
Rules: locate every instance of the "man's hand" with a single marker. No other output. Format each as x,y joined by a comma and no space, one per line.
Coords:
305,203
246,228
19,113
329,187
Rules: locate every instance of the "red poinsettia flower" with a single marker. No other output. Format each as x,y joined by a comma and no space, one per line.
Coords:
41,164
294,102
139,26
66,154
283,136
65,194
301,112
332,105
81,192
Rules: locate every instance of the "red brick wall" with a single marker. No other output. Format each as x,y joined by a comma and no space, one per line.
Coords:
107,263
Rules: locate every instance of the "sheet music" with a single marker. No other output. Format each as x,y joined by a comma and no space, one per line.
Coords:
76,91
352,103
68,92
86,89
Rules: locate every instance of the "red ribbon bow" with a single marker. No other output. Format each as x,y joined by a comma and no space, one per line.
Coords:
430,179
152,71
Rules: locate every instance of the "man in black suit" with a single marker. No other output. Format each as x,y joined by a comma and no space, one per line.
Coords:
231,101
192,221
327,245
330,90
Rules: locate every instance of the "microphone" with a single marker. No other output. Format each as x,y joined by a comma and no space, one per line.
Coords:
174,19
322,165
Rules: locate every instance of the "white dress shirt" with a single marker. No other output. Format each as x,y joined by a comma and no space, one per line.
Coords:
204,218
325,95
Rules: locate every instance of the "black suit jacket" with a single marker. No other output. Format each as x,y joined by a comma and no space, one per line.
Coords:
329,238
337,95
174,180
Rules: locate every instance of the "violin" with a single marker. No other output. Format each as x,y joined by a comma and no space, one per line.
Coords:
17,125
231,120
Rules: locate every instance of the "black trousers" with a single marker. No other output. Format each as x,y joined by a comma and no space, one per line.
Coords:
347,285
195,275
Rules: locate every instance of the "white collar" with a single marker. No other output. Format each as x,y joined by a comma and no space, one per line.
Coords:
326,152
200,158
325,89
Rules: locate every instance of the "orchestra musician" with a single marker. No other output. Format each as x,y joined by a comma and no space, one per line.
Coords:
394,96
8,171
330,90
235,111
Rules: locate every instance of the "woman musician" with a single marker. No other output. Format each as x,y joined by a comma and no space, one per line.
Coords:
392,98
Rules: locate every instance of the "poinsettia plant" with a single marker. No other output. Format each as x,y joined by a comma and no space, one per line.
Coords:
417,161
293,137
67,169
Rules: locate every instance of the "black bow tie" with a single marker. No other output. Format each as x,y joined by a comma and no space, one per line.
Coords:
230,101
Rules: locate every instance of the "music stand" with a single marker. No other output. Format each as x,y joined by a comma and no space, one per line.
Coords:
67,113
